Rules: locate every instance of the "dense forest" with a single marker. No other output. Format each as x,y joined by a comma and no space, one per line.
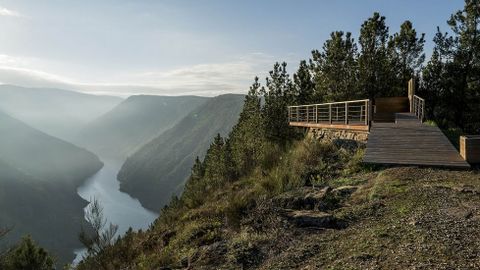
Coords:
220,219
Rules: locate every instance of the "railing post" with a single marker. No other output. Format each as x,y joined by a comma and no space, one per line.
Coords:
330,113
366,109
370,113
336,117
360,118
309,112
298,114
411,93
316,114
346,113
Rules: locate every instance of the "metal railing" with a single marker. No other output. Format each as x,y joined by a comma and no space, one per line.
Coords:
419,107
354,112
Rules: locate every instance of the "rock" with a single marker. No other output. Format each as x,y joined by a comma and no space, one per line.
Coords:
465,189
306,198
332,135
306,218
344,190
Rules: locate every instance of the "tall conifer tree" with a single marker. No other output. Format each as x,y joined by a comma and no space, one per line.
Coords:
335,68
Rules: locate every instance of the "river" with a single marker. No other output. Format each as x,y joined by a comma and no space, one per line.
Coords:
118,207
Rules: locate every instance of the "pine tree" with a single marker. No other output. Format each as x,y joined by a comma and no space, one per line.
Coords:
198,170
304,86
335,69
27,256
375,71
461,52
406,56
102,235
247,138
278,95
432,87
218,165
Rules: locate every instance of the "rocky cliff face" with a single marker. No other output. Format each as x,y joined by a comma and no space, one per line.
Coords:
329,135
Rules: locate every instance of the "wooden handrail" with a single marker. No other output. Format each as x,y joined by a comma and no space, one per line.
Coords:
352,112
419,107
328,103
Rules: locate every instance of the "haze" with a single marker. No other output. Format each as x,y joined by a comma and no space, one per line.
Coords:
175,48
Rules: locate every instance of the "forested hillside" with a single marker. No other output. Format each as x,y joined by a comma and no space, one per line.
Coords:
60,113
39,175
159,169
265,197
134,122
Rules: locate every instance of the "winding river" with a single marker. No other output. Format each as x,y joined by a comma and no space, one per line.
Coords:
118,207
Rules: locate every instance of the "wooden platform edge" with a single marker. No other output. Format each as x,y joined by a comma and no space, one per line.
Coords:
362,128
457,166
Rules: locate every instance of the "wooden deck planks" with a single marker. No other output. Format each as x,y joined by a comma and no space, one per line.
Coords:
410,142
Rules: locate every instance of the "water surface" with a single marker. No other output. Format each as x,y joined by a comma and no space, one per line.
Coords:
118,207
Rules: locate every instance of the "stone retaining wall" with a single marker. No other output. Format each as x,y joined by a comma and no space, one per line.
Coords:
326,134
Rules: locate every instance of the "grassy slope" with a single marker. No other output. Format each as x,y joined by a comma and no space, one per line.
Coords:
159,169
39,175
134,122
397,218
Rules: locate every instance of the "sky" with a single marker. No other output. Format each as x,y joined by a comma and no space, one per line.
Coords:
179,47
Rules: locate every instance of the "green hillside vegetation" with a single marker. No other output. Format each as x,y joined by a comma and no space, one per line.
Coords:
26,255
134,122
39,175
60,113
315,207
267,197
159,169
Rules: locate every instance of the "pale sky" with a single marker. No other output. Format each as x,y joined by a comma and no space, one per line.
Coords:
176,47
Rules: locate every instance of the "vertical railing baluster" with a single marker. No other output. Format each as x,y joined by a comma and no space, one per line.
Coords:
330,113
346,113
366,119
360,118
308,114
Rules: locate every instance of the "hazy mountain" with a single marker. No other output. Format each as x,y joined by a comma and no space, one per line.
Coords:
60,113
134,122
38,179
159,169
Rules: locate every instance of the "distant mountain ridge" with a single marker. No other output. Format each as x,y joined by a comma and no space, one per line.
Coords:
159,169
134,122
57,112
39,175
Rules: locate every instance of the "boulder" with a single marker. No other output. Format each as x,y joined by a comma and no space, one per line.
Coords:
307,218
306,198
344,191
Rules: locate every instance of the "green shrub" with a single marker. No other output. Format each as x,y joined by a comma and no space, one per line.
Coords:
237,205
272,157
27,255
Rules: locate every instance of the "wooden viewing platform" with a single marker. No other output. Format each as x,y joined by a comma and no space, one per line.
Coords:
408,141
396,132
